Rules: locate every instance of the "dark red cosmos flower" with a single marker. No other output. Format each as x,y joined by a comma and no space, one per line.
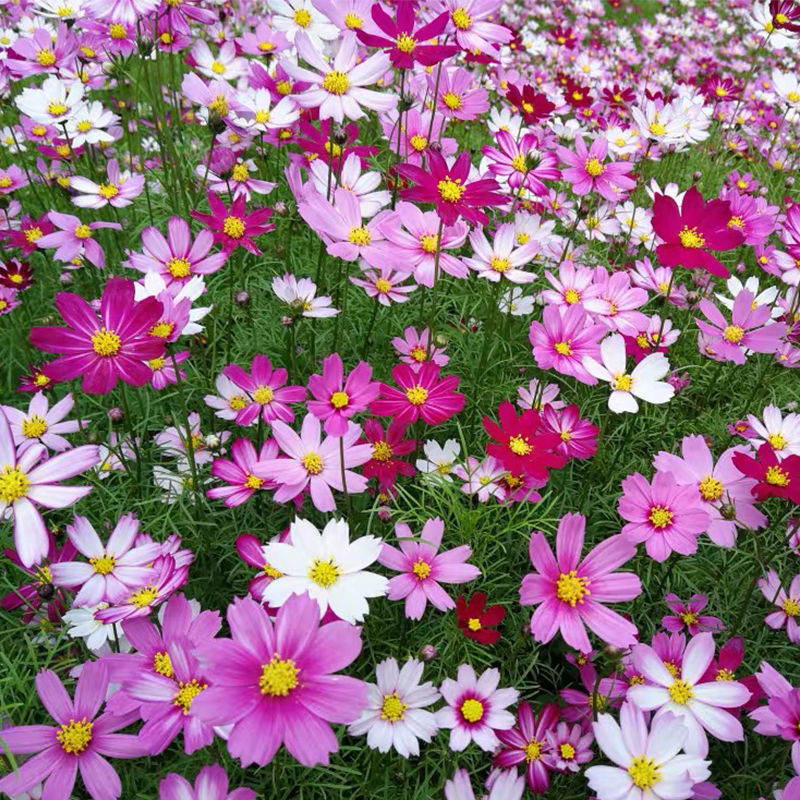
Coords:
689,233
316,143
403,41
523,447
776,478
785,14
476,621
532,105
35,380
28,234
617,95
563,36
449,189
387,445
235,227
577,95
16,274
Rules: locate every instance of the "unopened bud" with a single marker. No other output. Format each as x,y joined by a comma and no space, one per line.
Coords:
65,278
242,299
116,414
384,513
697,175
427,652
280,208
212,441
286,321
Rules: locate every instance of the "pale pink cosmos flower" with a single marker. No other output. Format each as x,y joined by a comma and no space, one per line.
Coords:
787,602
385,285
337,88
301,297
412,347
314,464
229,400
588,171
43,424
423,568
237,472
475,708
481,478
700,705
615,302
364,186
538,395
687,615
574,285
506,784
211,783
118,190
570,593
172,441
724,490
502,258
113,570
74,240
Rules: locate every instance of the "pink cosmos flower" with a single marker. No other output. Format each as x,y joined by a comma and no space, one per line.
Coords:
42,424
338,399
235,227
118,190
687,615
177,257
573,286
79,740
528,743
587,172
164,371
422,393
481,478
700,705
502,258
413,348
423,568
113,570
11,179
274,681
788,604
615,302
522,163
315,464
74,241
251,551
578,436
662,514
237,472
475,708
749,329
569,746
570,593
106,349
472,27
597,695
458,95
211,783
27,481
563,338
725,492
265,392
385,285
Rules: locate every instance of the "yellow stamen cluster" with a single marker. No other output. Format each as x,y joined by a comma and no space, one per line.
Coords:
644,772
74,737
13,484
324,573
572,588
336,83
106,342
278,677
393,708
472,710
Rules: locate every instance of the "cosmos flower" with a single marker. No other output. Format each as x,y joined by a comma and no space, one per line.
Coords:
42,424
476,621
235,227
687,615
211,783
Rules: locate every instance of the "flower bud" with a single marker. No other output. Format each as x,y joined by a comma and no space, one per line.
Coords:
427,652
242,299
116,414
280,208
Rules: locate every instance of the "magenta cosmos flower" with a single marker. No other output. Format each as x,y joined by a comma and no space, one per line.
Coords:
571,592
662,514
74,239
422,393
118,190
274,681
475,708
701,705
211,783
105,349
78,741
338,399
235,227
177,257
450,189
687,615
587,171
26,483
787,603
237,472
423,568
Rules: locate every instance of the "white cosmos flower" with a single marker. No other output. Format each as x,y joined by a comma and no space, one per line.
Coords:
781,433
395,715
292,17
81,623
439,459
364,186
54,102
649,764
328,566
644,382
88,123
258,113
765,298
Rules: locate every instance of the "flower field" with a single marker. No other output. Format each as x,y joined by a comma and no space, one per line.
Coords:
400,400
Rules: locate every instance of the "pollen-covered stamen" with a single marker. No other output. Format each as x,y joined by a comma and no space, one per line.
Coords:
622,382
336,83
777,441
791,607
660,517
594,167
572,588
46,57
108,190
563,348
143,597
461,19
383,286
263,395
534,749
472,710
419,143
733,334
162,329
567,751
187,692
103,564
33,427
474,624
644,772
381,451
178,267
449,190
393,708
710,488
776,476
339,399
501,265
360,237
680,692
162,664
324,572
106,342
278,677
421,569
691,238
417,395
451,100
237,402
312,462
572,296
688,618
519,445
406,43
724,675
353,21
83,232
75,736
233,227
13,484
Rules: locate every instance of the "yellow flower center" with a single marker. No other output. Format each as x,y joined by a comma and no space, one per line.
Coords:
312,462
501,265
187,693
5,182
360,237
263,395
680,692
253,482
724,675
33,234
791,607
74,737
262,117
34,427
452,100
776,476
518,162
283,87
418,354
336,83
563,348
533,750
217,67
406,43
417,395
324,573
691,238
143,597
237,402
302,18
219,105
383,286
461,19
622,382
178,267
393,708
56,109
449,190
339,399
104,564
85,126
46,57
278,677
733,334
381,451
233,227
429,242
271,572
567,751
419,143
594,167
239,173
660,516
572,296
472,710
644,772
13,484
519,445
161,330
710,488
688,618
656,128
566,436
736,222
162,664
116,31
107,190
474,624
353,21
82,232
421,569
572,588
106,342
777,441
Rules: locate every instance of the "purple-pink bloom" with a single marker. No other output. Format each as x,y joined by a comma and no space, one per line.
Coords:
238,473
211,783
587,172
423,568
74,240
687,615
788,604
118,190
570,593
